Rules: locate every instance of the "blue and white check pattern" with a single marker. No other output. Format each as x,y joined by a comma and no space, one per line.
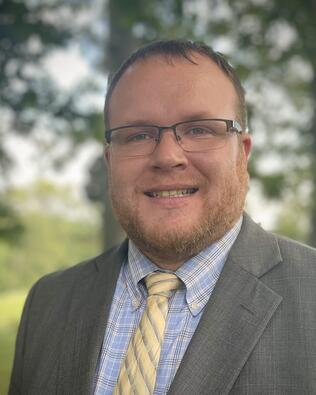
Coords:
199,276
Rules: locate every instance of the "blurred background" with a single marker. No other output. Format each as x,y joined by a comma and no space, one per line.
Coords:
55,57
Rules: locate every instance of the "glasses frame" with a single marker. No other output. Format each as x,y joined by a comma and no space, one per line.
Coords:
232,126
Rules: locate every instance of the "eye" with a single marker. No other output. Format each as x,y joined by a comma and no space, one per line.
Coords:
139,136
199,131
196,130
133,135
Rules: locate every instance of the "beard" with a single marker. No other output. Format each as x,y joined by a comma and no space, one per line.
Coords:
168,245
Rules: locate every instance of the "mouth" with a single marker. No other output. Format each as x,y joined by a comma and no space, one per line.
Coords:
173,193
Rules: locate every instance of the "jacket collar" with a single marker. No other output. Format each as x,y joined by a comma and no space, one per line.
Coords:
235,317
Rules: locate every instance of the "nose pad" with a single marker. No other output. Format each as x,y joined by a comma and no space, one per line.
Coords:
176,136
168,153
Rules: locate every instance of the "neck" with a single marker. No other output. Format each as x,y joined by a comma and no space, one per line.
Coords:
166,264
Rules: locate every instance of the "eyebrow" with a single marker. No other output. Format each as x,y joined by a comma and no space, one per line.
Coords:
192,117
201,115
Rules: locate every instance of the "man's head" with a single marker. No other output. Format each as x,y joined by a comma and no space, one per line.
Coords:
170,49
178,199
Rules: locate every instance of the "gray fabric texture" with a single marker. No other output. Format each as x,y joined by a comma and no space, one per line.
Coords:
257,334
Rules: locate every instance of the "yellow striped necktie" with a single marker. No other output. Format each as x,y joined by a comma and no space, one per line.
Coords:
138,371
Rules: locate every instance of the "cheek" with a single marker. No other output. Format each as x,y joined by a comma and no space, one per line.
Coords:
219,172
124,176
213,168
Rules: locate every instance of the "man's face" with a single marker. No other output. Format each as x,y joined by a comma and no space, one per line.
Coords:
169,229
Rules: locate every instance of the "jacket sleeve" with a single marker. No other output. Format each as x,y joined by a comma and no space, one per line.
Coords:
15,387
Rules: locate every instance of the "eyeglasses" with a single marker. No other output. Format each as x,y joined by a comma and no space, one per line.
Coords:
193,136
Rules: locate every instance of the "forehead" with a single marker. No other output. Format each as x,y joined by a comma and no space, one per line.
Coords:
171,85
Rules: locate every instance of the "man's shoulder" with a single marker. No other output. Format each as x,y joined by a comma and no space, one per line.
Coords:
258,251
295,251
80,269
294,254
253,229
81,272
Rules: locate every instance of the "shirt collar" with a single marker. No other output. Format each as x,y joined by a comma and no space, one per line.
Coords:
199,274
137,267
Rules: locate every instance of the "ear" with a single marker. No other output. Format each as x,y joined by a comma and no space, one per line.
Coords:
246,142
107,155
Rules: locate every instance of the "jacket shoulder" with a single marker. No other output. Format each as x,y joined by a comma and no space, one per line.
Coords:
60,285
82,270
297,253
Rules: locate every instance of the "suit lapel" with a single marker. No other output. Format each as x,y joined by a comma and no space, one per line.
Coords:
232,323
234,318
88,315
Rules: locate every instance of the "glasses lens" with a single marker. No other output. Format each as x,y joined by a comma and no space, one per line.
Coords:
202,135
135,140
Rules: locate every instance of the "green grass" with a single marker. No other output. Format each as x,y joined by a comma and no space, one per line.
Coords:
11,304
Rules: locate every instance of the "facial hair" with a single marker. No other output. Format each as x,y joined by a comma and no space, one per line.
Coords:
162,245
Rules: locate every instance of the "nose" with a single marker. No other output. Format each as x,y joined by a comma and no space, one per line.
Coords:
168,154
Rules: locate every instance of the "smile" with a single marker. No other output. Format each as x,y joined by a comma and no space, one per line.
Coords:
172,193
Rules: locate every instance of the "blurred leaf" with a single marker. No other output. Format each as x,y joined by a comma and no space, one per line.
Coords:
11,228
58,231
29,31
273,185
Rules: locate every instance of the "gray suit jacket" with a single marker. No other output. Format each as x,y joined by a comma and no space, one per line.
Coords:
257,334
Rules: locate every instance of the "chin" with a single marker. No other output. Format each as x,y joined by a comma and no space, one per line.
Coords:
174,240
180,234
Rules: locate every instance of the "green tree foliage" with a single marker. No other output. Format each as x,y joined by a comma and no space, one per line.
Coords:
291,224
29,31
273,44
57,234
26,37
10,225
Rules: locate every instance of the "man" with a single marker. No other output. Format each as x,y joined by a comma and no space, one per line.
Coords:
240,316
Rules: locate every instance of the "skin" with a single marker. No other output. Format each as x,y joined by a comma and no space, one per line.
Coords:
171,230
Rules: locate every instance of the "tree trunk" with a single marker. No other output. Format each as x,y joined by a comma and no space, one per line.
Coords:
313,163
119,46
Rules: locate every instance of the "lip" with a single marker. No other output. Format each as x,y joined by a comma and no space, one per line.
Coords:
169,187
174,187
171,201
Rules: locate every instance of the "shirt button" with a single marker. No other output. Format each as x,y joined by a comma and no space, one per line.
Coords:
194,306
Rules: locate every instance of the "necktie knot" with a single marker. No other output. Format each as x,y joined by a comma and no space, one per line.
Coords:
162,284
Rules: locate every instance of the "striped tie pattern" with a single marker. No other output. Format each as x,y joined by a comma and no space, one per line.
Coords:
138,371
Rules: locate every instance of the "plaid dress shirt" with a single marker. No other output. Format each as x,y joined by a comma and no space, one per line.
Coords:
199,276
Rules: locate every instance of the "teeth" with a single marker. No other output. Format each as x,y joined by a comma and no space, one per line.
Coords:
173,193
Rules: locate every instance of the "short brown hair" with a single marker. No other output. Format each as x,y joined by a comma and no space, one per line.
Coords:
184,49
